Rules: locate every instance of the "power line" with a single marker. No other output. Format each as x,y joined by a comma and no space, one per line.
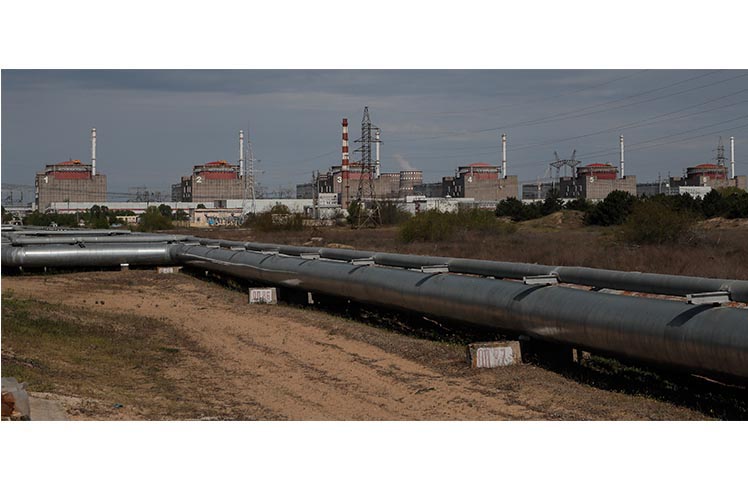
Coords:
532,101
563,115
629,125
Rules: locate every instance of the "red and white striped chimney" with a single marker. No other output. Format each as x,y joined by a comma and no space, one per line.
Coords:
345,145
344,166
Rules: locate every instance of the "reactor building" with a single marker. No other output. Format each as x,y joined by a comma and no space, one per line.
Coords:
216,180
70,181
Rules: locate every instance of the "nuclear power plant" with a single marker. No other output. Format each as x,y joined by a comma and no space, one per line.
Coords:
75,186
364,180
70,181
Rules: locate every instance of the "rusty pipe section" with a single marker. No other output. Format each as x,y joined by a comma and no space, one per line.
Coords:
694,338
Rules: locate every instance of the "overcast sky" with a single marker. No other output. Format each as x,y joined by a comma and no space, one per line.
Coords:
153,125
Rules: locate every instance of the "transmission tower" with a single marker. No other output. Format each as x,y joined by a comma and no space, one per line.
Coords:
371,216
721,160
569,162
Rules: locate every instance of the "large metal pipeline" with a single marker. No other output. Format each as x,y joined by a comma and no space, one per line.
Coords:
699,339
651,283
23,240
93,255
711,340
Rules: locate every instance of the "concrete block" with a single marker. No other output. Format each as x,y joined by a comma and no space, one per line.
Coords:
268,295
168,269
494,354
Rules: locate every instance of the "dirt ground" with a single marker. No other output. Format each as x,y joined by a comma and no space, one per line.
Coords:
229,360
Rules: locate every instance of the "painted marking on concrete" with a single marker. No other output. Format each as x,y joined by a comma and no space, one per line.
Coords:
267,295
168,269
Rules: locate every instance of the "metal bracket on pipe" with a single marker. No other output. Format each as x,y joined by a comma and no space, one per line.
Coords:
270,252
212,246
435,269
551,279
237,248
718,297
363,261
309,256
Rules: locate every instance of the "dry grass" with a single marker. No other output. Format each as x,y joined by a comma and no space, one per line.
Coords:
116,365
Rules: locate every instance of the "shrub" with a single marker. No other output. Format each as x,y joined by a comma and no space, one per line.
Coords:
152,220
653,221
392,213
517,211
37,218
613,210
737,205
278,218
354,209
437,226
583,205
552,203
731,203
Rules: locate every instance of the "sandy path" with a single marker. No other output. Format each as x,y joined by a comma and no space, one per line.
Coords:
266,362
283,368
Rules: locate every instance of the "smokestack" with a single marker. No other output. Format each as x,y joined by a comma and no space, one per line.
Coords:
732,157
93,151
241,153
376,162
503,155
623,173
344,164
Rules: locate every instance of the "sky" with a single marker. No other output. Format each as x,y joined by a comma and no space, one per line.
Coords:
154,125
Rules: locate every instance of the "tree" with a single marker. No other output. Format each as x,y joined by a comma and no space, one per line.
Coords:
552,203
165,210
201,206
354,209
714,204
7,216
152,220
580,204
613,210
98,217
510,207
737,205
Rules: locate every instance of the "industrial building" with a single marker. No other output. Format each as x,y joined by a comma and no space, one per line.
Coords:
481,182
537,191
594,182
711,175
348,178
216,180
477,181
70,181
